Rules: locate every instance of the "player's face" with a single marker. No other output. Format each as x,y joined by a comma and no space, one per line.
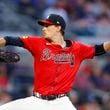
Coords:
49,31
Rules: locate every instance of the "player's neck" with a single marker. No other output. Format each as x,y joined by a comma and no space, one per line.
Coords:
59,40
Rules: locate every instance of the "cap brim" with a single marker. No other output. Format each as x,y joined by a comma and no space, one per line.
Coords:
43,22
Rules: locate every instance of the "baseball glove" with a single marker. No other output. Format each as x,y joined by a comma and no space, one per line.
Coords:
8,57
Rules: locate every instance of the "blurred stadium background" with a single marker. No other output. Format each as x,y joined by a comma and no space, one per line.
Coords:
88,21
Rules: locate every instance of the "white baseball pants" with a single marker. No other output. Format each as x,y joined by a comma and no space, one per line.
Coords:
34,103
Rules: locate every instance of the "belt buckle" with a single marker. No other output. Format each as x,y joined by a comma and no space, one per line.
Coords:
37,94
61,95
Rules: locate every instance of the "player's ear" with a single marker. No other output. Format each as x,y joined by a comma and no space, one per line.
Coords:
58,27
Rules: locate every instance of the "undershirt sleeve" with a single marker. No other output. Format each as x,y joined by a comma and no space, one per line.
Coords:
15,41
99,50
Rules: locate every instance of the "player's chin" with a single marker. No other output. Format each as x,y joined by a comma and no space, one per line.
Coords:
45,36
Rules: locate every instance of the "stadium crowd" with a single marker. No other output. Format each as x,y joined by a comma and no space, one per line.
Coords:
85,19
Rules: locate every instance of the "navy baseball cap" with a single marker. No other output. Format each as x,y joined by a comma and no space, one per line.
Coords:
53,19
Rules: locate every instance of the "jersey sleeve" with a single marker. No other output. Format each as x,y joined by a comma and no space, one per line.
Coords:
30,43
86,51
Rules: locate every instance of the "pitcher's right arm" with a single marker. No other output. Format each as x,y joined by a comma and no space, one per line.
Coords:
9,40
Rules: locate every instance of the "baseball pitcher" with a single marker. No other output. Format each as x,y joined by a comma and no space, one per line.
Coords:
56,62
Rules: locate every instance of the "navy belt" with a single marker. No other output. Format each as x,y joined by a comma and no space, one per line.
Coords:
49,97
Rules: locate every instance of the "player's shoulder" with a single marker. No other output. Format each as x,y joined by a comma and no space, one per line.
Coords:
77,44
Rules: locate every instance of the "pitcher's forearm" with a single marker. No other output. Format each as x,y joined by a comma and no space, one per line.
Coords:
107,46
2,42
